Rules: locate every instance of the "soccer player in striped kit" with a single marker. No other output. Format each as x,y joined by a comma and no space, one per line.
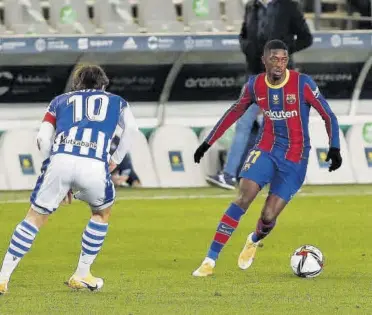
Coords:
280,156
74,139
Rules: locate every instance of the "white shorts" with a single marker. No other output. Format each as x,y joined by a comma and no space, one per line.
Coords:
62,172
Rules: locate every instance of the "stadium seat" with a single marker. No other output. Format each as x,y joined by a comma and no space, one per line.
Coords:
203,15
70,17
359,140
2,29
114,16
22,162
24,17
234,10
3,181
212,159
311,24
142,161
172,150
159,21
317,171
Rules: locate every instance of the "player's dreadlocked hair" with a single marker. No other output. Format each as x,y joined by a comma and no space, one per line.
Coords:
89,77
275,44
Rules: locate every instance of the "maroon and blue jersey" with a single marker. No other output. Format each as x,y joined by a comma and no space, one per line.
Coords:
286,109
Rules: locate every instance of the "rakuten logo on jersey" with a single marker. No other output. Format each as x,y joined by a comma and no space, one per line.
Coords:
280,115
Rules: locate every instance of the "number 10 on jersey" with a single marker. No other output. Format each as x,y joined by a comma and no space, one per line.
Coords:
91,111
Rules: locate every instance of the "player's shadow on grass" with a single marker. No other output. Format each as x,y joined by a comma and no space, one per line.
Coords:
324,276
84,292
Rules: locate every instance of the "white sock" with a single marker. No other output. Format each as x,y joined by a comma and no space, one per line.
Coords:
22,239
209,261
92,241
10,262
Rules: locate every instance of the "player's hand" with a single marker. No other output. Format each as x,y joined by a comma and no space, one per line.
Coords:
335,156
112,166
200,151
68,198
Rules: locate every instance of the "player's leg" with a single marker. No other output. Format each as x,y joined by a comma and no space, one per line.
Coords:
286,182
50,189
20,243
92,241
227,179
258,171
272,208
97,189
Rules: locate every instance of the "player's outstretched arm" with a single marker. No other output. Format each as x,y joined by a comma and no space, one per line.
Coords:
230,116
316,99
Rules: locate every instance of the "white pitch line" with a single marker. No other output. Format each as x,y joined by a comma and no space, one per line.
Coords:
221,196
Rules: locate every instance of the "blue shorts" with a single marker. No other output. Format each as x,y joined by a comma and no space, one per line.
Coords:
285,177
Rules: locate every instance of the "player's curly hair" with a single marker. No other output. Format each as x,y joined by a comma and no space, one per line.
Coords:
88,76
275,44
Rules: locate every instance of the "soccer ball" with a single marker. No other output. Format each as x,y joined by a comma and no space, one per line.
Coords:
307,261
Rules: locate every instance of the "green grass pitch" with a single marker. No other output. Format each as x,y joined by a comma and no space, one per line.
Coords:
158,237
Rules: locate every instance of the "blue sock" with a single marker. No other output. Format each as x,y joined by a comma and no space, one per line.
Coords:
21,242
93,238
225,228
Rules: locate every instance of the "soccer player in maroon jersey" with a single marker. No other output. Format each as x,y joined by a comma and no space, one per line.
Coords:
280,156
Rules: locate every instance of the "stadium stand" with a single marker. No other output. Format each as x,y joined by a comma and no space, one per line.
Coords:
24,16
134,16
70,17
337,14
155,20
232,13
202,17
114,16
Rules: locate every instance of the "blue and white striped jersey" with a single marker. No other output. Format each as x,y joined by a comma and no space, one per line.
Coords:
85,122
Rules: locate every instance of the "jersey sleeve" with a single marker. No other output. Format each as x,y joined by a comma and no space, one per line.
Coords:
315,99
231,115
51,113
129,126
126,118
45,139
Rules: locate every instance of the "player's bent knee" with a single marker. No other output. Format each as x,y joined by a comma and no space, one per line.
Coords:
248,192
245,199
102,207
36,218
243,202
102,215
